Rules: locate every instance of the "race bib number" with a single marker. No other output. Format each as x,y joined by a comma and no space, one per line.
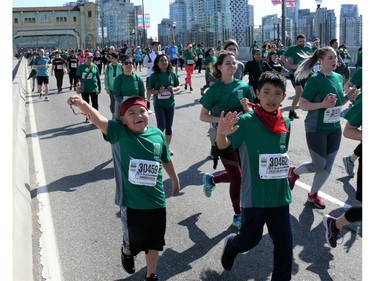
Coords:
73,65
164,95
332,115
190,61
59,66
273,166
143,172
88,76
200,56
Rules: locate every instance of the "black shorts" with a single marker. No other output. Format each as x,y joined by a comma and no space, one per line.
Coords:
42,79
146,229
297,83
174,62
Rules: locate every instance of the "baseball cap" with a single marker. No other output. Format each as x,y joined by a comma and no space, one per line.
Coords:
113,55
189,46
88,54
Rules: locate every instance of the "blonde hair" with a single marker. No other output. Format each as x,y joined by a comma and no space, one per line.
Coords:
304,69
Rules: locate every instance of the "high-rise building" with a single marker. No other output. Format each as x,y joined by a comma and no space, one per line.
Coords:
350,26
240,20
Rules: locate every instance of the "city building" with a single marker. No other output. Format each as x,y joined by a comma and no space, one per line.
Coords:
72,26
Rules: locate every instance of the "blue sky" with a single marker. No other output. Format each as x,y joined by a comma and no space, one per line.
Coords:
159,9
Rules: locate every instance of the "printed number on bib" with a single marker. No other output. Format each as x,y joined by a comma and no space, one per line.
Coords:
190,61
164,95
332,115
273,166
143,172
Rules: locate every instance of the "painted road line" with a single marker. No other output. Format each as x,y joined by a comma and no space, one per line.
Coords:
49,254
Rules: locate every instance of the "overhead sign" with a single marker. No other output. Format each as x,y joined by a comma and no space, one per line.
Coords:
140,21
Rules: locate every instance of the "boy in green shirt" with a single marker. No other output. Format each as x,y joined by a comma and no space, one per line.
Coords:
144,152
262,136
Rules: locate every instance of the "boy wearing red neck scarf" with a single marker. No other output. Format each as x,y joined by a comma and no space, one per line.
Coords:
262,136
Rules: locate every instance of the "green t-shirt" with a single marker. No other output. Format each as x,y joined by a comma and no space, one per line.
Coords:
254,141
128,85
354,114
199,53
357,78
226,97
189,57
150,147
293,53
317,87
91,82
209,61
165,79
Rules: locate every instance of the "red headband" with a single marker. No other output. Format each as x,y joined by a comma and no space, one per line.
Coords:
129,103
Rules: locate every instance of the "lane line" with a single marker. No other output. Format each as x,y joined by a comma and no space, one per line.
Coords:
49,253
324,195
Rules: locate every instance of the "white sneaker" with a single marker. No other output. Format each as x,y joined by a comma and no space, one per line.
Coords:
46,98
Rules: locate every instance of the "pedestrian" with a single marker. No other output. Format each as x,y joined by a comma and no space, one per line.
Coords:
181,60
190,59
359,58
209,60
172,51
138,58
322,98
113,70
252,48
127,84
59,68
162,84
89,81
354,83
144,155
225,95
81,56
200,55
42,63
148,61
32,74
341,67
276,64
291,59
254,69
72,64
333,226
232,46
98,60
262,135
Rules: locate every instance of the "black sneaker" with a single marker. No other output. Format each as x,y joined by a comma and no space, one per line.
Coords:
191,89
185,87
295,115
227,258
331,232
152,277
127,263
70,88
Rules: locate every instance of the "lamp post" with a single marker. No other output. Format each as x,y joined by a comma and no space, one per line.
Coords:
174,29
318,19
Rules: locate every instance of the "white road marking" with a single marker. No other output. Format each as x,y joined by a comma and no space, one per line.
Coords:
49,253
324,195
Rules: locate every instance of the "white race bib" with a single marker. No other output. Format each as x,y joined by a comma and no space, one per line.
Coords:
88,76
273,166
190,61
143,172
332,115
59,66
164,95
73,65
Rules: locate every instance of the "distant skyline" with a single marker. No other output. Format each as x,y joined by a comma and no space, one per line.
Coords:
159,9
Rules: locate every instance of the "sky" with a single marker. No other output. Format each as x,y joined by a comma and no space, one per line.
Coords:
159,9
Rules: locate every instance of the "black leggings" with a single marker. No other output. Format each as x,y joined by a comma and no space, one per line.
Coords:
354,214
358,152
73,77
94,99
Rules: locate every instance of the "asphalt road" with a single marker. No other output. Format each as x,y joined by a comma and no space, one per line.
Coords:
78,172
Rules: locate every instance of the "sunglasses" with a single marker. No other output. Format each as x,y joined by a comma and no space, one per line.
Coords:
127,63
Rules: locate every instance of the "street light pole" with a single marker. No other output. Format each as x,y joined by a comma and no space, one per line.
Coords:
318,19
174,29
144,25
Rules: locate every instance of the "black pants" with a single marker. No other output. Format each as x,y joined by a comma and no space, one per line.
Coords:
59,79
198,65
358,152
94,99
73,77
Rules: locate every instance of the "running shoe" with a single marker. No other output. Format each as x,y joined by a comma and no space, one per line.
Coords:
185,87
46,98
227,257
293,115
191,89
349,166
152,277
208,186
332,233
127,262
40,95
237,221
292,177
316,200
87,120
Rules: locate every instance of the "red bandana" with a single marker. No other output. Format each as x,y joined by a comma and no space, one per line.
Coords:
274,121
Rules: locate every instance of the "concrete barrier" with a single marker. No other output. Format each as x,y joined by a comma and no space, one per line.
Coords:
22,211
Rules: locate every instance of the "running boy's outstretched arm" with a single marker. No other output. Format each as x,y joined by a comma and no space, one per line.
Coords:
169,168
95,117
226,127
